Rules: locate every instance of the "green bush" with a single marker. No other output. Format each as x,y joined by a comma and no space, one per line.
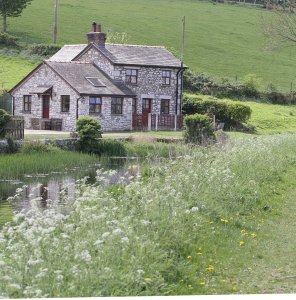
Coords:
4,119
8,40
43,49
38,147
89,131
199,129
229,112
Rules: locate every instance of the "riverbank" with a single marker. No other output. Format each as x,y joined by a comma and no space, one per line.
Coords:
198,224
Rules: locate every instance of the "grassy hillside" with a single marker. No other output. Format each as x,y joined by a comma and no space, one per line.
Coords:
13,69
222,40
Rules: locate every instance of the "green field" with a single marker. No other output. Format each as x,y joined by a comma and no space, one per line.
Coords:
222,40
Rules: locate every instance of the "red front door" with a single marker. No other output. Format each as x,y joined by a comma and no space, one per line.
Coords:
146,109
45,106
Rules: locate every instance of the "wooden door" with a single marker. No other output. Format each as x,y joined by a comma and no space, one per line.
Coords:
146,109
45,106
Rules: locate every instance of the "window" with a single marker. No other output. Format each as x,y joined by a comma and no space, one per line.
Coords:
166,77
134,106
165,106
95,105
131,76
65,103
116,106
27,103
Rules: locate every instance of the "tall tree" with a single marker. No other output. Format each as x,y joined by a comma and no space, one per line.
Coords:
11,8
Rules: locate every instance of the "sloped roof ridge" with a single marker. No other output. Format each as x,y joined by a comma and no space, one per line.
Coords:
134,45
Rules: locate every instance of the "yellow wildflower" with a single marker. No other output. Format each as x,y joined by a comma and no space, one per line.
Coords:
224,221
234,289
244,232
211,222
199,253
242,243
147,279
202,283
253,235
189,257
210,268
211,260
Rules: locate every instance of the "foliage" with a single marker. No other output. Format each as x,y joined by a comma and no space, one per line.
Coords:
45,50
89,131
111,148
12,146
12,8
251,85
199,129
33,147
8,40
226,111
4,119
119,241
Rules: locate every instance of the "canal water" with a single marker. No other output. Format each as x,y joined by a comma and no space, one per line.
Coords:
46,189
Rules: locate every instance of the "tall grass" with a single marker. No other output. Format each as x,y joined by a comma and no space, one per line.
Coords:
14,166
184,227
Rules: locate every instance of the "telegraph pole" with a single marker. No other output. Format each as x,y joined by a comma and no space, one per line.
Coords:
55,30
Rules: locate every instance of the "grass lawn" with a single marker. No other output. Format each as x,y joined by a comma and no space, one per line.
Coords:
222,40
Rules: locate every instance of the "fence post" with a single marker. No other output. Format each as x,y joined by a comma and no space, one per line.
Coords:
176,117
149,122
156,122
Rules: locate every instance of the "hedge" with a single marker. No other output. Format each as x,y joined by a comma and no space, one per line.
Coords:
228,112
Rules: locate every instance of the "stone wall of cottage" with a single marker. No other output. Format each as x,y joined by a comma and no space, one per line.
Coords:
108,121
45,76
94,56
149,83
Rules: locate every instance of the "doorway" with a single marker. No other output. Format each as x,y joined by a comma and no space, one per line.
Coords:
146,109
45,106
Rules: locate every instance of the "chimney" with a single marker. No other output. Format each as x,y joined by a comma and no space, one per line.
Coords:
96,36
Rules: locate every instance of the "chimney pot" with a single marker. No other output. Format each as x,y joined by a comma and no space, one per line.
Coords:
94,27
96,36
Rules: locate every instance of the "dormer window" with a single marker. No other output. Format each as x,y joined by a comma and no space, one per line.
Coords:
131,76
166,77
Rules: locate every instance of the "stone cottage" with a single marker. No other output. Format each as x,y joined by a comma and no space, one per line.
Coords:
124,87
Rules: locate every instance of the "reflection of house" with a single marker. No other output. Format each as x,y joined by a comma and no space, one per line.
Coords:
117,84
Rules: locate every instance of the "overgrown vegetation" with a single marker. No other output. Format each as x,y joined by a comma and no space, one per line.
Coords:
5,117
249,88
215,199
199,129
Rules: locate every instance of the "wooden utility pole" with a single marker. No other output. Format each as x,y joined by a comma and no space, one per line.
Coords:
55,30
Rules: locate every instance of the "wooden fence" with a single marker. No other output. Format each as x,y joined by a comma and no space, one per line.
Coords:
157,122
15,128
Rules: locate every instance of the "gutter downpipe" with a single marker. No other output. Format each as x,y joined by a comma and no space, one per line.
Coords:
180,71
77,106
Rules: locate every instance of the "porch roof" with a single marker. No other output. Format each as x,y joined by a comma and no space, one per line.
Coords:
87,79
40,89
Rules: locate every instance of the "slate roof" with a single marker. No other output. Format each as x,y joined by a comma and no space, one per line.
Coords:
76,74
120,54
67,53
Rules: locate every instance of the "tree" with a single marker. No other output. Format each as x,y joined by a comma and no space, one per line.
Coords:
280,29
11,8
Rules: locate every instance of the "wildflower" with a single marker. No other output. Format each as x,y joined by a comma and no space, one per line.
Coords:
189,257
202,283
15,286
224,221
253,235
234,289
125,239
98,242
211,222
147,279
242,243
199,253
211,260
85,256
193,209
117,231
244,232
210,268
140,271
105,234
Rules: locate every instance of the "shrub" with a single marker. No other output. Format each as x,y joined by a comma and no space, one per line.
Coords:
199,129
4,119
89,130
8,40
44,49
12,146
229,112
251,85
